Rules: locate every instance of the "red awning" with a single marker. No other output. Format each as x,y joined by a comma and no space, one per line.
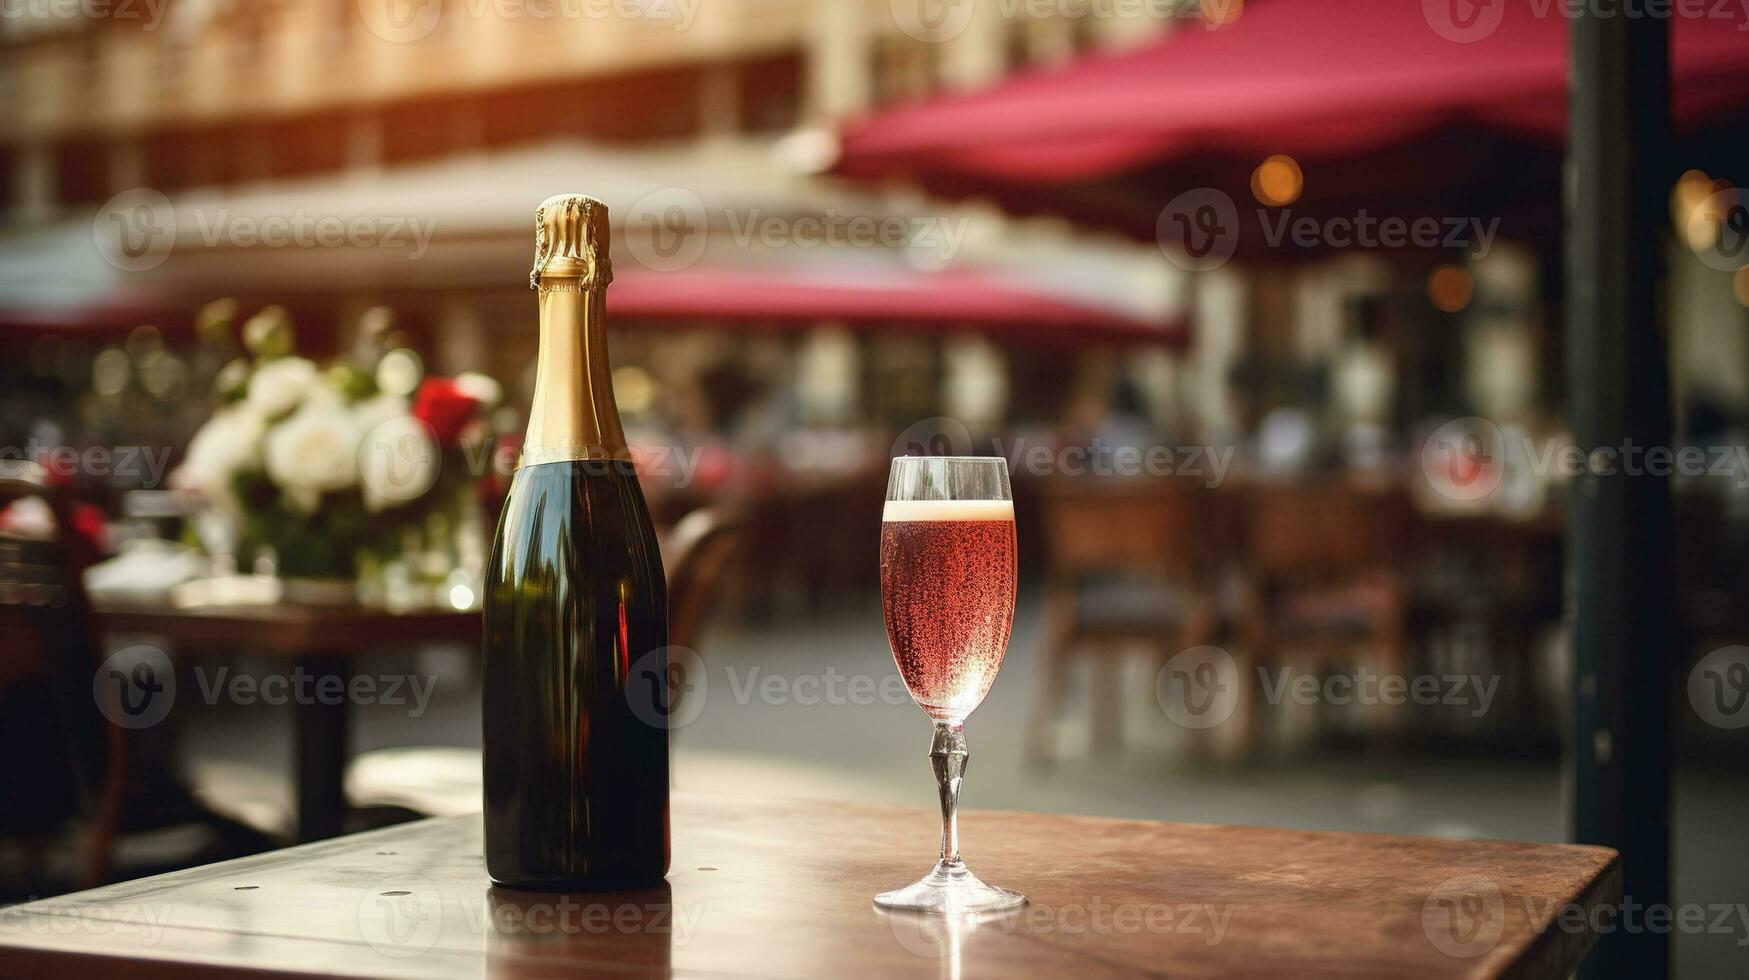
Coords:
1375,99
1311,80
936,300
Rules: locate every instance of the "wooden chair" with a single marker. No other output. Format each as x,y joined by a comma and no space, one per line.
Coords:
696,552
1128,562
1327,584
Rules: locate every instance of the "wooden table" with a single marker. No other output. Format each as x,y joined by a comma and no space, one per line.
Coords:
321,640
776,888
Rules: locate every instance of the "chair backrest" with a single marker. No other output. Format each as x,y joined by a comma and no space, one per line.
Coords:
1322,529
1149,526
696,552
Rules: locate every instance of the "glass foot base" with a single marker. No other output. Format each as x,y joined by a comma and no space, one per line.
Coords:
950,889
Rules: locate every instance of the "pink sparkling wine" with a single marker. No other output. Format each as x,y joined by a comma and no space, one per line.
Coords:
947,585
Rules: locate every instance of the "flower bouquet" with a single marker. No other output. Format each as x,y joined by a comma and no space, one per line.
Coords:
318,470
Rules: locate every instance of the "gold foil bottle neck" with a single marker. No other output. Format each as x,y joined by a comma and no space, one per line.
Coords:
570,244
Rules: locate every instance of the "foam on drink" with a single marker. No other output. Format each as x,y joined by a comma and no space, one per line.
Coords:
948,510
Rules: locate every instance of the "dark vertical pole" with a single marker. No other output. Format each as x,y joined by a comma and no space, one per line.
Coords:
1619,528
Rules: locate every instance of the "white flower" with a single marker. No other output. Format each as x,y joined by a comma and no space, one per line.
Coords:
229,443
312,453
280,385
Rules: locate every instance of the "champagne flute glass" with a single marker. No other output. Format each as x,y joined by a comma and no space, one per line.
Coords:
947,587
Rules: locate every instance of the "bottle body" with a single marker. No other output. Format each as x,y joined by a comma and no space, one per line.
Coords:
576,760
576,609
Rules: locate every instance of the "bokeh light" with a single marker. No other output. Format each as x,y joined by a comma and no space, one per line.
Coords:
1277,181
1450,288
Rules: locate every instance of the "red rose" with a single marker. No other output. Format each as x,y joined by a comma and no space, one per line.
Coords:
443,406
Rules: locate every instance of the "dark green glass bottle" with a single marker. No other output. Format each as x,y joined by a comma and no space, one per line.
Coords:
576,745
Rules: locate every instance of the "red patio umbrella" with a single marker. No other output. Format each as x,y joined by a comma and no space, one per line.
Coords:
1387,102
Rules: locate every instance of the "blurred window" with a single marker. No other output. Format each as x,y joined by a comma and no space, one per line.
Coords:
166,161
646,105
905,69
305,144
416,130
81,172
771,94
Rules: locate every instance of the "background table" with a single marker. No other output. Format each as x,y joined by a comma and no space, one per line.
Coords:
324,641
775,888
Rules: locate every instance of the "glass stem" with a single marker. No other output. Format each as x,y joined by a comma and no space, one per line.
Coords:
947,754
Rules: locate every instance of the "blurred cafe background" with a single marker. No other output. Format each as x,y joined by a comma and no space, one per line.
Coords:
1263,300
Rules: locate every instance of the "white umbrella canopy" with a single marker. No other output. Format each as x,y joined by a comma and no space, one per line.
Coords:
438,224
467,223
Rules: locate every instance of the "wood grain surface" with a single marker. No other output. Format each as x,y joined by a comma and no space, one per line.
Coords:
782,888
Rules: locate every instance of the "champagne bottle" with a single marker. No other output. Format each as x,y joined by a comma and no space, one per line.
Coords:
576,765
